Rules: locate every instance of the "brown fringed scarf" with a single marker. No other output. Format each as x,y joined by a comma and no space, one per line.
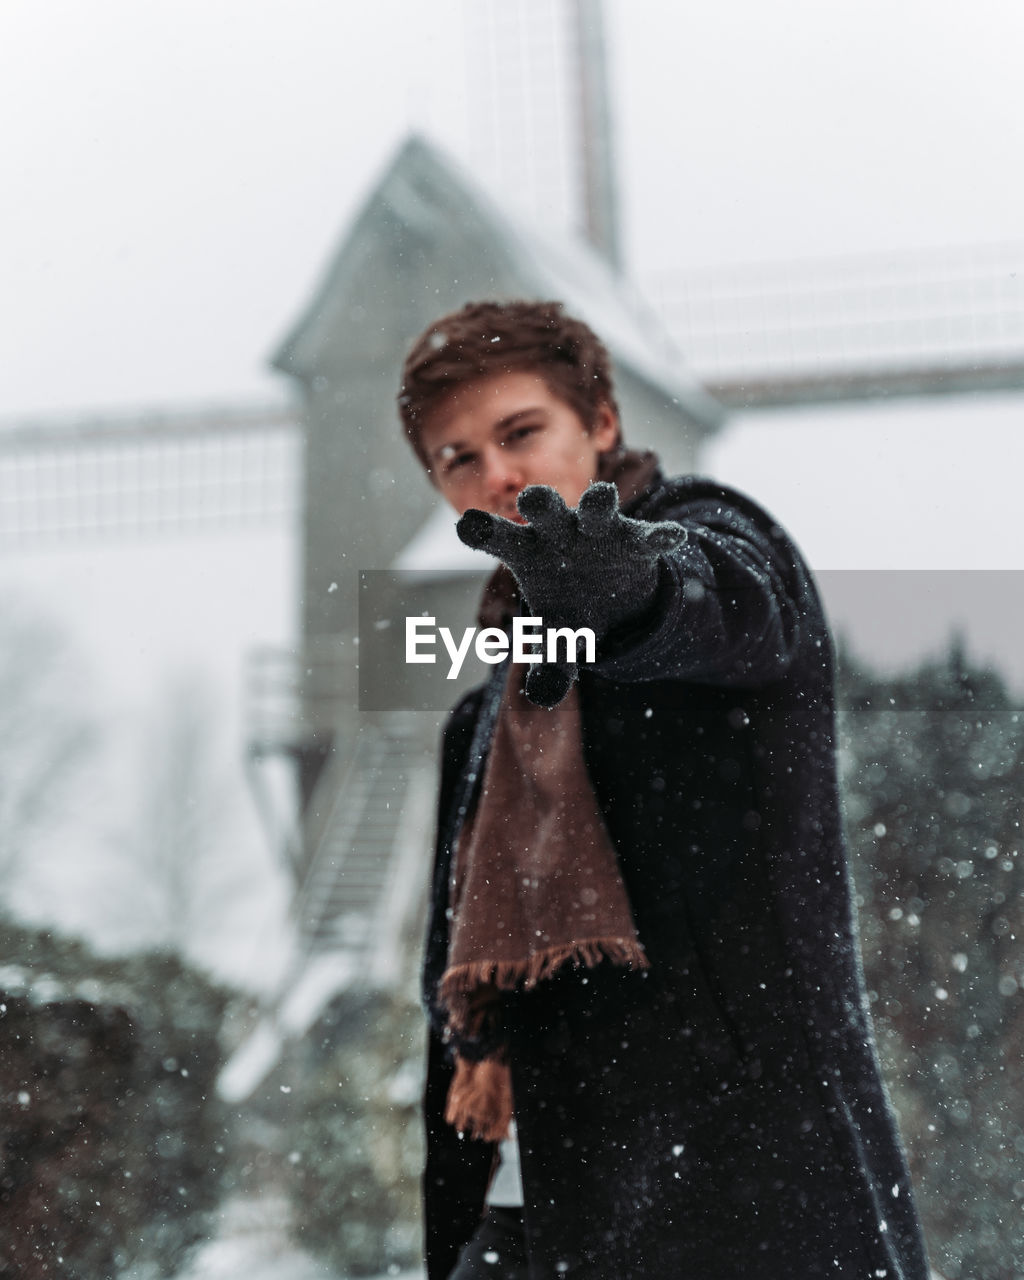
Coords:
536,882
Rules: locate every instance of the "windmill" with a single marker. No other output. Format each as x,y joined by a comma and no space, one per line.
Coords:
754,338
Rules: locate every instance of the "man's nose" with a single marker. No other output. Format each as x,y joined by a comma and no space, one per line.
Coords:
502,475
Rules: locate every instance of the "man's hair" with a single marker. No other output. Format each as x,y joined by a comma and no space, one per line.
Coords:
487,338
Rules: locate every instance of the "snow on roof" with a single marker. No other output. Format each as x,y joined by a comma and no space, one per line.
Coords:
426,193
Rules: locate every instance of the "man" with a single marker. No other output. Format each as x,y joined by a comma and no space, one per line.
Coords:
641,946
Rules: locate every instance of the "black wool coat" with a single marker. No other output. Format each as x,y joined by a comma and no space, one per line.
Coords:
722,1116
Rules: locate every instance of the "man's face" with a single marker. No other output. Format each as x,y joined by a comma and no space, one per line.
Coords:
492,437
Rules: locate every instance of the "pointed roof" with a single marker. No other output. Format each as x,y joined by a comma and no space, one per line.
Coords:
424,219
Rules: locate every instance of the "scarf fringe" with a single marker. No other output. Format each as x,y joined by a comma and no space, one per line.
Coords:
480,1099
480,1095
507,975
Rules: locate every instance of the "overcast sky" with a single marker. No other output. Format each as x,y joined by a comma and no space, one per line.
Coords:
177,172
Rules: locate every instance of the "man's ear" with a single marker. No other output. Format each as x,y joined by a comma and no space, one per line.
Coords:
605,434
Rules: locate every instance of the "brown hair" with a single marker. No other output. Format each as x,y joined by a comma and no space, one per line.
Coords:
485,338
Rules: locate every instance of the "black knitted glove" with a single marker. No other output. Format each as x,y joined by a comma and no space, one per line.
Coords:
588,567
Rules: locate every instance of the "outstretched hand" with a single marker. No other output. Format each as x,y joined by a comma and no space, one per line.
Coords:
585,567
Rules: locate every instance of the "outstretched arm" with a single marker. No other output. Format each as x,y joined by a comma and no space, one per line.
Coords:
717,595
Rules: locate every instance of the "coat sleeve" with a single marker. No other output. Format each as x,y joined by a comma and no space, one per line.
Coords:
455,1175
730,605
455,749
456,1170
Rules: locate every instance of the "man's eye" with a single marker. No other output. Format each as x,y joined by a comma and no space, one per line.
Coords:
459,460
520,433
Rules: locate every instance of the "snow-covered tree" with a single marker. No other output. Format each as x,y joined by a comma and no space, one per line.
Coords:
934,792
